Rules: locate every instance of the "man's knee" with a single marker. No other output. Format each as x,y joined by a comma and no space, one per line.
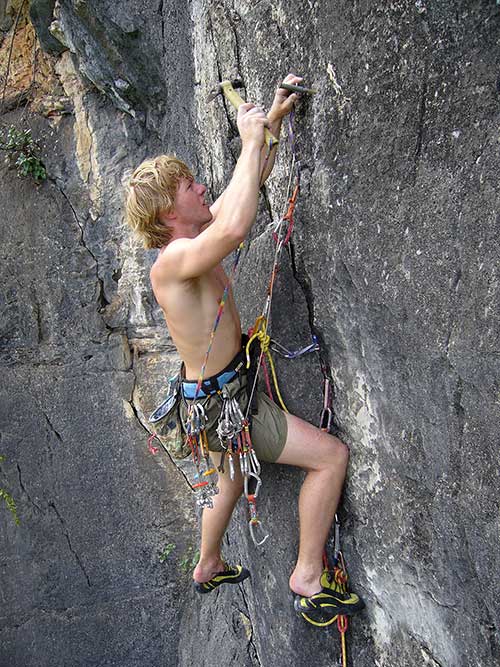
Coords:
339,453
230,488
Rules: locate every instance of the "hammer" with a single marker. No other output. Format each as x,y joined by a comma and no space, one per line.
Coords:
227,88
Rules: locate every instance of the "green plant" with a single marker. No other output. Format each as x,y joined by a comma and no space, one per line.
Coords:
189,560
166,551
9,501
22,152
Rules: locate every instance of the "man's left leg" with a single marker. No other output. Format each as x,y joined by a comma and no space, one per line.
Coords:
214,523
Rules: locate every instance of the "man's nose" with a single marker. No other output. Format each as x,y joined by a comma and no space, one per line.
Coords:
201,188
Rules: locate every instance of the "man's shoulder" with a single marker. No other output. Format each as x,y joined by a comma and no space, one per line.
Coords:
164,266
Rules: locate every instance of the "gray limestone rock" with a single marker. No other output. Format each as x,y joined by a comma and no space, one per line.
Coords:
393,265
42,16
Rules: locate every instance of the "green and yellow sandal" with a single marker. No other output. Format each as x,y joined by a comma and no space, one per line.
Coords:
322,609
230,575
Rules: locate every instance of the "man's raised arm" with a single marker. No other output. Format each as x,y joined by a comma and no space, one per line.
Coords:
186,258
282,105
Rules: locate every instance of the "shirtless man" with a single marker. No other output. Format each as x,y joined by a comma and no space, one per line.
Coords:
167,208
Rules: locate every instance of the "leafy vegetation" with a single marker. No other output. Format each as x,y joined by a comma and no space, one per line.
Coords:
9,501
166,551
21,152
189,560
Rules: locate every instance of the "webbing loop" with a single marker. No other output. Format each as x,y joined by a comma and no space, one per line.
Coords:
288,217
260,333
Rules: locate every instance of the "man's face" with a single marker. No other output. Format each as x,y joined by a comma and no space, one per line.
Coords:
190,206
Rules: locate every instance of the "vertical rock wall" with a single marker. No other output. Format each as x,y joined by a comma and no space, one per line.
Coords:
394,265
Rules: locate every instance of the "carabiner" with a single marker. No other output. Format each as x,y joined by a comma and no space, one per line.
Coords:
336,543
245,484
289,354
251,524
326,420
254,462
246,468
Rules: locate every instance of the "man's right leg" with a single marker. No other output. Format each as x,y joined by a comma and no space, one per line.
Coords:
215,521
324,458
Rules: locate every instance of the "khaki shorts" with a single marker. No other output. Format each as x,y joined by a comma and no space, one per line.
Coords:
268,429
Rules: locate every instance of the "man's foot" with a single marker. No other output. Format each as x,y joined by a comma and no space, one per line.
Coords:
229,575
323,607
208,568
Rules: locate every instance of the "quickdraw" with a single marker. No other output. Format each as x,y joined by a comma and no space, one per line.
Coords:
204,480
325,421
234,434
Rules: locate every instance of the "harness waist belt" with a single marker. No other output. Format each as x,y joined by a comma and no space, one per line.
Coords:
215,383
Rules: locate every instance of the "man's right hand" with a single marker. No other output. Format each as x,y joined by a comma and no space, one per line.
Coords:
251,123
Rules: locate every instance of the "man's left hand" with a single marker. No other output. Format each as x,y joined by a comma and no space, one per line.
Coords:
284,100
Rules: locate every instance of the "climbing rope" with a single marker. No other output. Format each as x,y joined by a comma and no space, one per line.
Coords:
281,233
218,317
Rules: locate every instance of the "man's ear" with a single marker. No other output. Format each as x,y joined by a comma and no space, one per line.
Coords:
163,216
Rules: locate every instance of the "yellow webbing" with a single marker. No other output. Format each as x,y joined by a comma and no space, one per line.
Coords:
260,333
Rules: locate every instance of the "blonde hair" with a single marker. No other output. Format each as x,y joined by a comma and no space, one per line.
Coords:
151,189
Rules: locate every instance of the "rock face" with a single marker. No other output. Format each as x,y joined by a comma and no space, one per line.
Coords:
393,265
